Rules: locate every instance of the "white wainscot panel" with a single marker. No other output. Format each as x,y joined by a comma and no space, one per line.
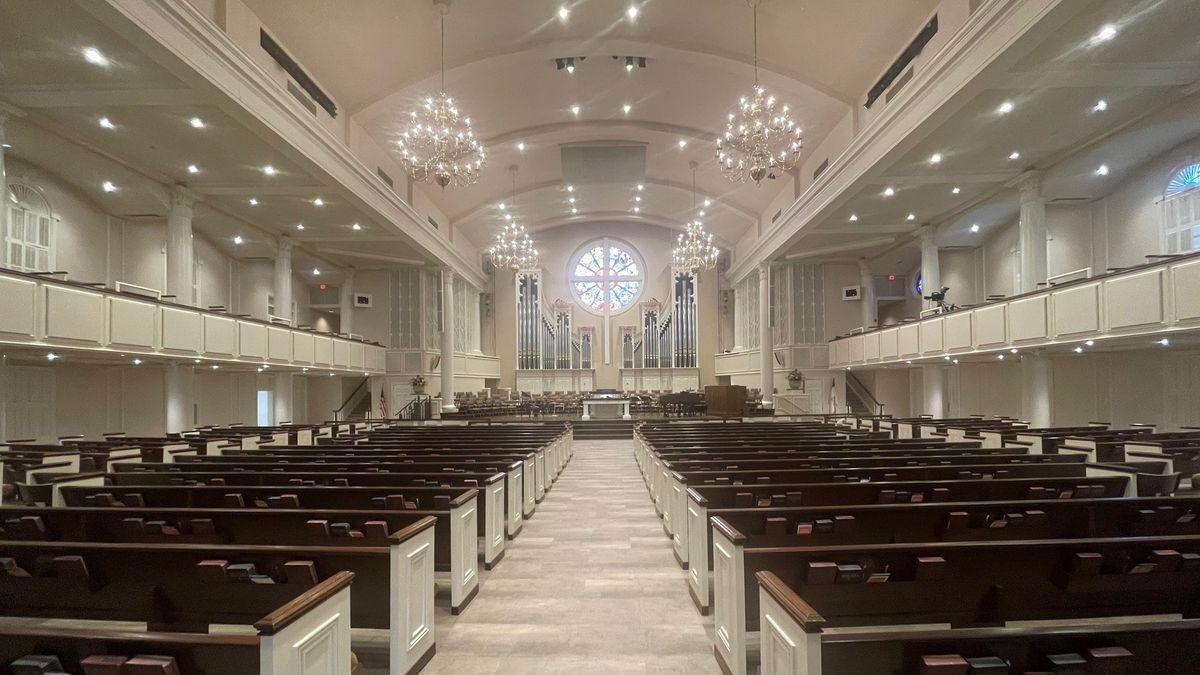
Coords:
1186,284
180,331
252,340
871,346
18,308
322,350
990,325
1028,319
957,329
1134,301
279,344
931,336
357,354
910,340
889,343
341,353
131,323
856,349
74,315
843,352
302,348
1077,310
220,336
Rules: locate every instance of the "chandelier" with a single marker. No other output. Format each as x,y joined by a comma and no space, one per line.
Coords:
694,250
760,138
513,248
437,143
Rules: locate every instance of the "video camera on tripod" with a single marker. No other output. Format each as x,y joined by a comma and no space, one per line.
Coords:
939,300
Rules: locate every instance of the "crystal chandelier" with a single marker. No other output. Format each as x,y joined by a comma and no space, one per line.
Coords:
513,248
437,143
761,138
694,250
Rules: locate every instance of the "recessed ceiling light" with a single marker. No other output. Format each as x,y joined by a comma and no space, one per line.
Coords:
508,216
632,12
571,67
1006,107
640,187
107,123
955,360
95,56
520,147
1078,350
193,169
912,216
936,158
1000,356
108,186
564,13
975,227
52,356
259,370
1106,33
253,201
707,203
501,206
637,198
269,170
955,190
196,123
946,358
1013,351
1090,343
1100,106
889,191
356,227
701,213
637,209
1164,342
683,143
570,188
1014,155
6,146
318,202
572,200
215,366
137,362
626,108
316,272
1102,170
854,217
575,110
574,210
299,226
237,239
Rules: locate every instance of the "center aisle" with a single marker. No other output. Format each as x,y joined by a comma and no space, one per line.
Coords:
589,586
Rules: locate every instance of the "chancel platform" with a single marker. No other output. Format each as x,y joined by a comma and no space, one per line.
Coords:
605,405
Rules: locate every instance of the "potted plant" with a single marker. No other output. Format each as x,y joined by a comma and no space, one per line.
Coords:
418,384
796,380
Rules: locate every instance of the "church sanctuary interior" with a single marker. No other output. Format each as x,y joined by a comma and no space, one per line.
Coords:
697,337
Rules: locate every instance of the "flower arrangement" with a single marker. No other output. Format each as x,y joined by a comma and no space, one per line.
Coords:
418,383
795,379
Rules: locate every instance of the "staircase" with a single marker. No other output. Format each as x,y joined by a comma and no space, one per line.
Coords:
602,429
859,398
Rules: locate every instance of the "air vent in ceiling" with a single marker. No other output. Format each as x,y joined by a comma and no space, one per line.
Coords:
904,79
296,72
384,177
821,169
906,57
302,97
603,163
433,222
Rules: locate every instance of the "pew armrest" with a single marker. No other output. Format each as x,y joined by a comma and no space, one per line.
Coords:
801,612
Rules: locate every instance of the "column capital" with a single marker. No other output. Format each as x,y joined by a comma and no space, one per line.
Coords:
764,267
1029,184
864,266
183,197
927,233
448,275
348,272
285,244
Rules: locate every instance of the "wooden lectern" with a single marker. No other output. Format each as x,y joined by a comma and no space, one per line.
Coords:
725,400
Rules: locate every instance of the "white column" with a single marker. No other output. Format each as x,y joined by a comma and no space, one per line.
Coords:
3,187
347,318
283,278
931,270
766,351
178,384
933,382
281,394
180,259
1032,231
448,340
869,309
1037,389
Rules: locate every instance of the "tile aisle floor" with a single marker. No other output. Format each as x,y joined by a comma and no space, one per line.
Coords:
589,586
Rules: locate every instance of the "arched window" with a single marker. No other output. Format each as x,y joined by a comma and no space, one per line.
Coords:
29,242
1181,211
606,276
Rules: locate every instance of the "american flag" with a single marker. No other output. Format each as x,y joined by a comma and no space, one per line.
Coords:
383,406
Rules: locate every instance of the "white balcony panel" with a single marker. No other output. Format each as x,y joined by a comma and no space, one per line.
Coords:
341,354
871,346
357,354
181,331
910,340
991,326
220,336
889,343
302,348
252,340
1186,285
18,307
1028,319
1135,301
1077,311
74,315
279,344
131,323
932,341
322,350
957,329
